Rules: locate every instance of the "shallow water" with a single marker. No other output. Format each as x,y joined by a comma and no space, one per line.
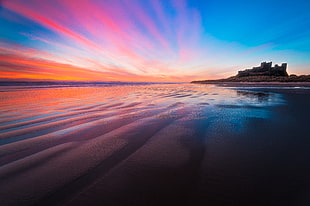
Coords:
58,143
28,112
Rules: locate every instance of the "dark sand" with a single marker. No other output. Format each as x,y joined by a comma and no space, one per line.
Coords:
155,145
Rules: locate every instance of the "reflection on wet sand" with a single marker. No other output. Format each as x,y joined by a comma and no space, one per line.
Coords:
261,96
128,144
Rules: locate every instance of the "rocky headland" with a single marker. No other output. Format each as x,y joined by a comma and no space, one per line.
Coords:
264,73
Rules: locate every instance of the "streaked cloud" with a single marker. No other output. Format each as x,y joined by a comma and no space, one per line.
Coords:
126,40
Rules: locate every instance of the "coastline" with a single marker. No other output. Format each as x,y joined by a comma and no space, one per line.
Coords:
255,84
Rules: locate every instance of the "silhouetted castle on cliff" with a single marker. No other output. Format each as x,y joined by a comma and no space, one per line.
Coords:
265,69
264,73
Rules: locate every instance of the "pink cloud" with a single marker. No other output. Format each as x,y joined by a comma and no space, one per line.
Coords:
116,37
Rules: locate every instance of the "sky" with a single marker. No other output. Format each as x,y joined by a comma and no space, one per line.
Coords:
150,40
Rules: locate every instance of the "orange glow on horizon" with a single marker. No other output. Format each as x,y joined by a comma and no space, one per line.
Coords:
39,69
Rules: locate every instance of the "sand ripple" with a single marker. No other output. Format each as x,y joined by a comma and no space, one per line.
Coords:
58,142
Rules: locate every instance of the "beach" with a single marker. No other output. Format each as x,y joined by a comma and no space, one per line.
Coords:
154,144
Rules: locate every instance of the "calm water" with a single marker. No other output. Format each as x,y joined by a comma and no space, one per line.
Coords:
123,144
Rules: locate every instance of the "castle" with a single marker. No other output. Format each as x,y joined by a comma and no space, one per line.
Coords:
265,69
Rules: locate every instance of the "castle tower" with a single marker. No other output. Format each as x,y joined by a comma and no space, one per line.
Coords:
264,66
269,65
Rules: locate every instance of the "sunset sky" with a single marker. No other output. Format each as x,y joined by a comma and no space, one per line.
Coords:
150,40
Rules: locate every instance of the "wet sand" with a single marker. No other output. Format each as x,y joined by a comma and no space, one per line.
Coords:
154,145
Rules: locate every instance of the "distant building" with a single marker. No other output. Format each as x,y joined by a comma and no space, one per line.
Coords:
265,69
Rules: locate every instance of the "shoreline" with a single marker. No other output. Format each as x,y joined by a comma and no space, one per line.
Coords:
257,84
